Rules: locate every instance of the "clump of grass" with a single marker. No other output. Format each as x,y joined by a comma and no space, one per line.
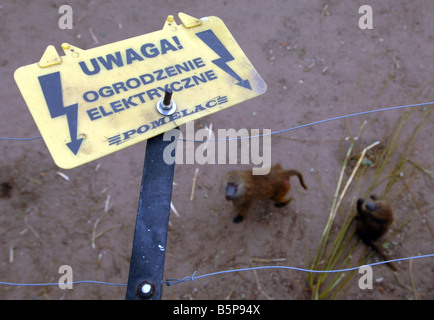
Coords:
339,241
328,259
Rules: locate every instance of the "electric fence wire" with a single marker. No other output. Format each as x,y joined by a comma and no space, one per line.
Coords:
62,283
21,139
170,282
424,104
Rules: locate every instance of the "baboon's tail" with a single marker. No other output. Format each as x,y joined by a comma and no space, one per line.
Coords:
299,175
392,265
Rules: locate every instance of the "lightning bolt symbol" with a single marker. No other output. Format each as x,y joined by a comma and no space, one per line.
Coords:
215,44
52,90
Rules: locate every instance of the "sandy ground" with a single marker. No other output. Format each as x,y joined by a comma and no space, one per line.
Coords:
317,64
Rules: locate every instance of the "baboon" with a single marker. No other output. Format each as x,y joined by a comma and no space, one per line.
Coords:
373,220
243,188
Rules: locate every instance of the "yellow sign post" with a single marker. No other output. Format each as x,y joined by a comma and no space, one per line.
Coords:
90,103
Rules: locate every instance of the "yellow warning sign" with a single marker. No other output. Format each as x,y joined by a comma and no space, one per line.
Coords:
90,103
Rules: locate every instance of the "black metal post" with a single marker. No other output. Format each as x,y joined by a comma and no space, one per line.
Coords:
150,236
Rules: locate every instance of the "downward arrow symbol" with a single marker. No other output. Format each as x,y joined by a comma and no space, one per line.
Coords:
52,90
215,44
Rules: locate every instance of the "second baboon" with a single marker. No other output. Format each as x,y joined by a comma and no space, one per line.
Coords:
243,188
373,220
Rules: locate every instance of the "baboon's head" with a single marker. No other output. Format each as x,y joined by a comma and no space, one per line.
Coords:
373,221
232,185
366,206
231,190
371,205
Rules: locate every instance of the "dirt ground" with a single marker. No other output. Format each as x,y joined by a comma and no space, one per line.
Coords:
317,64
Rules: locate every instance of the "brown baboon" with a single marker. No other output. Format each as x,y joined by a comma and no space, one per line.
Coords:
243,188
373,220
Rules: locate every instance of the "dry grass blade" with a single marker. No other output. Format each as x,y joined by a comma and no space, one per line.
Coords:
429,173
61,174
107,206
172,206
359,162
193,187
95,225
267,260
413,284
257,283
11,254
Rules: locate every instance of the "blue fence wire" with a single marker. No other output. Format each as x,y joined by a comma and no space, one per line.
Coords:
170,282
425,104
193,277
